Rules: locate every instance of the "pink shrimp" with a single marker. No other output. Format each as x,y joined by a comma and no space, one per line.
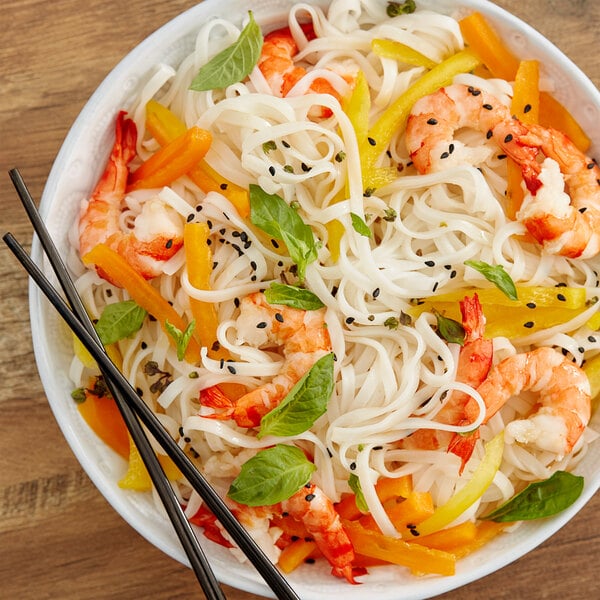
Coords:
316,511
303,338
474,362
156,235
564,223
564,406
277,65
434,120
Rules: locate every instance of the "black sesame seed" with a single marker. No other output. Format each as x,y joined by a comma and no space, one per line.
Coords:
371,141
353,466
169,244
279,317
508,138
261,325
349,320
236,302
488,107
561,297
377,447
253,265
187,439
274,244
435,286
221,363
223,186
181,432
430,263
444,155
198,207
581,349
501,156
139,391
451,148
591,165
371,318
530,305
489,134
305,167
453,275
415,532
310,561
285,144
432,121
527,108
583,209
376,292
591,338
474,91
309,497
144,345
330,453
529,324
231,369
272,170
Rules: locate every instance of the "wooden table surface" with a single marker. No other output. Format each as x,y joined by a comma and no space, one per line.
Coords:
59,538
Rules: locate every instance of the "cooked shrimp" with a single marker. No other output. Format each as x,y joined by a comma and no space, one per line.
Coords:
474,362
316,511
303,338
563,409
157,232
435,119
564,223
276,63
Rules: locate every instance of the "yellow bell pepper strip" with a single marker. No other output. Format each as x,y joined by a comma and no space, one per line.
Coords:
469,493
398,551
165,126
395,116
103,417
137,477
526,107
82,353
591,368
171,161
122,274
536,309
295,554
198,258
401,53
501,62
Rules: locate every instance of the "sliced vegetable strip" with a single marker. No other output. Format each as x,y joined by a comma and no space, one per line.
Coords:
401,53
394,117
165,126
398,551
470,492
295,554
171,161
122,274
198,258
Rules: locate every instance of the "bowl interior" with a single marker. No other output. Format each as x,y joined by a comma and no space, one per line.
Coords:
74,173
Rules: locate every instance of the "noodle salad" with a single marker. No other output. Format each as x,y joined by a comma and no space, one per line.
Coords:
352,265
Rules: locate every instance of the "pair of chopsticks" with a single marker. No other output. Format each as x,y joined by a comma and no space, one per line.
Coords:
135,413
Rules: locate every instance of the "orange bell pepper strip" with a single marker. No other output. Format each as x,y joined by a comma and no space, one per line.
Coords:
397,551
483,40
347,508
390,487
103,417
171,161
526,107
165,126
485,532
449,539
295,554
122,274
404,513
198,258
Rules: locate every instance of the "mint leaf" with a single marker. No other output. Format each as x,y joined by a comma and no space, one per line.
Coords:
271,476
360,226
119,320
232,64
290,295
540,499
304,404
182,338
496,275
361,503
272,214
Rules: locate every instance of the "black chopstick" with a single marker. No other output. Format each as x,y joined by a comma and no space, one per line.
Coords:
276,581
183,529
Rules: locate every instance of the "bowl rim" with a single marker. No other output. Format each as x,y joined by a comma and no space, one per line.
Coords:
183,25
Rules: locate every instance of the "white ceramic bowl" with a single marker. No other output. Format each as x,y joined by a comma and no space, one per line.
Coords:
74,173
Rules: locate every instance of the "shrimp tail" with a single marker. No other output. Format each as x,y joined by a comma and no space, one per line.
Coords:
214,397
462,445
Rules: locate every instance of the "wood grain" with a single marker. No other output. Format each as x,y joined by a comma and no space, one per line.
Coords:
58,537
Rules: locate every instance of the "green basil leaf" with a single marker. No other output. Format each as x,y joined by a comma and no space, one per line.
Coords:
272,214
361,503
540,499
360,226
496,275
304,404
232,64
449,329
182,338
271,476
290,295
119,320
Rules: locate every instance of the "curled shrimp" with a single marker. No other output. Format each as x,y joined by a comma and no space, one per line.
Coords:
474,362
157,232
434,120
563,409
277,64
564,222
303,338
316,511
